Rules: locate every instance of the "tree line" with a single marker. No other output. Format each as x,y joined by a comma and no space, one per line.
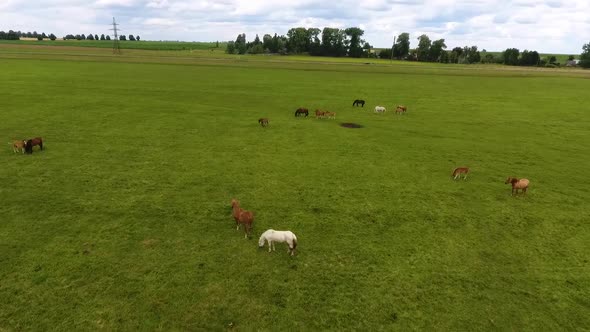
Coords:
102,37
348,42
16,35
327,42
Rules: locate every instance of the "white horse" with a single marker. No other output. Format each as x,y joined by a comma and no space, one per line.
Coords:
278,236
379,109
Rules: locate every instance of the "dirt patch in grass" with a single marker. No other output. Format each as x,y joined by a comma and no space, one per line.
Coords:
350,125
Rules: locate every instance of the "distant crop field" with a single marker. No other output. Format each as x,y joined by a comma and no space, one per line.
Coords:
123,221
124,44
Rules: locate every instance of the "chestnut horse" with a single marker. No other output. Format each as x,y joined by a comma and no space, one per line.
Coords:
319,114
263,122
302,111
517,184
400,109
460,170
18,145
242,216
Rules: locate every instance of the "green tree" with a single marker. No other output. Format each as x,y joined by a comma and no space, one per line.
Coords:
315,44
52,36
402,45
571,58
436,49
298,40
131,37
138,39
267,42
95,37
90,37
241,46
423,49
355,49
102,37
230,48
122,37
107,37
444,57
510,56
455,55
585,56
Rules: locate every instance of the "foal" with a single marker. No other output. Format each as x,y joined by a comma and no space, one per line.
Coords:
263,122
18,146
521,184
242,216
460,170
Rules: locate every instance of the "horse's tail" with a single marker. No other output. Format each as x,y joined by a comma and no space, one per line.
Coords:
294,241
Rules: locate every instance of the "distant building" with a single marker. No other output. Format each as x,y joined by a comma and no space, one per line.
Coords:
573,63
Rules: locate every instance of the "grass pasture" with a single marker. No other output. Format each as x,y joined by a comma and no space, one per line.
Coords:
123,222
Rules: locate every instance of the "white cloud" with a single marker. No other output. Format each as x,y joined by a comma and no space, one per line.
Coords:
558,26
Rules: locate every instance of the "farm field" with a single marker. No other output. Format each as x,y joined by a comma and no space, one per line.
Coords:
123,221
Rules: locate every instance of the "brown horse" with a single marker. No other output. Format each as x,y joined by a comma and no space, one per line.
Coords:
319,114
263,122
18,145
400,109
301,111
460,170
242,216
517,184
330,115
32,142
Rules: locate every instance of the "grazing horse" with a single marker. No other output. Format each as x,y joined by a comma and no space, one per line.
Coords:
301,111
272,236
263,122
242,216
29,146
460,170
330,115
358,102
18,145
319,114
400,109
36,141
517,184
379,109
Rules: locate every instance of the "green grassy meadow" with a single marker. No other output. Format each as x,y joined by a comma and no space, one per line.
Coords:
123,222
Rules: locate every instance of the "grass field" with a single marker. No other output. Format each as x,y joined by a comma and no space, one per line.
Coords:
123,221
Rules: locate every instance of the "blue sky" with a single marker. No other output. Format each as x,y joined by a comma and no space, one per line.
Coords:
548,26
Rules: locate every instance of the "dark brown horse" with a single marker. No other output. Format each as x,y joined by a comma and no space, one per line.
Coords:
30,143
242,216
263,122
358,102
301,111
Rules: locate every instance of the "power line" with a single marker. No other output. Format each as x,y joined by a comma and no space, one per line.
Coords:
116,46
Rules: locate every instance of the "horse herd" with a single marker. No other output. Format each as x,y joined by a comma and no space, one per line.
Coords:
26,145
246,218
320,114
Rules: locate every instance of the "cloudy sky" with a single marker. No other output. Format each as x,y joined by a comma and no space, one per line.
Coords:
548,26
